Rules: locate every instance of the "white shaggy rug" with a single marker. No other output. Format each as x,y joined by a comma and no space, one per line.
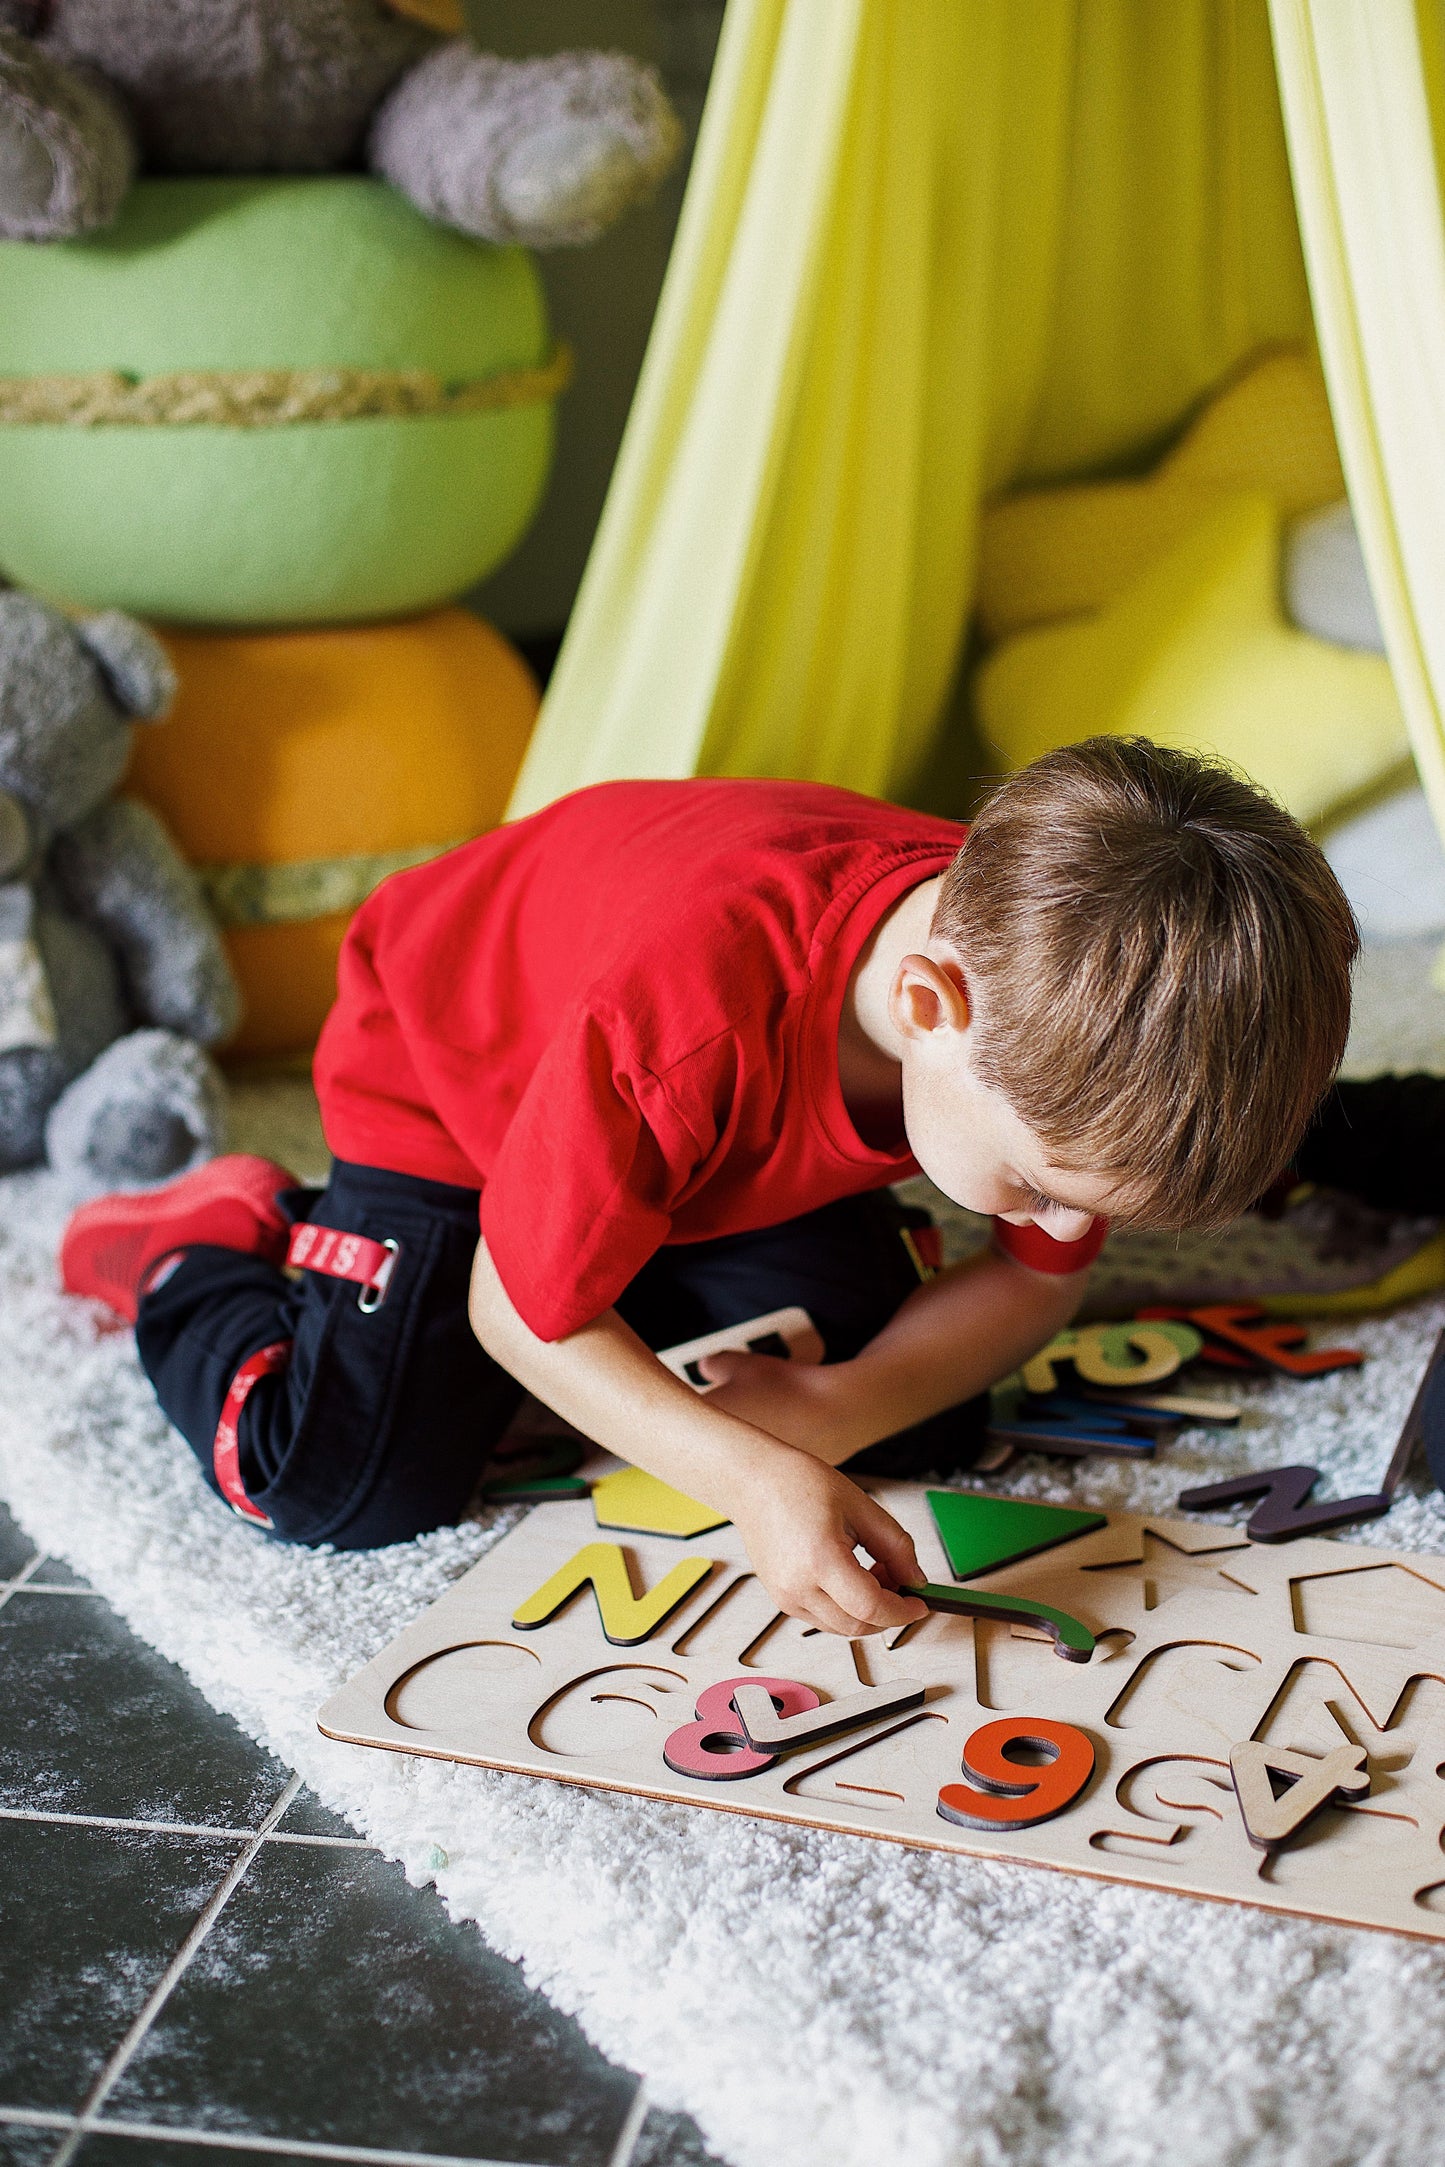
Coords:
808,1997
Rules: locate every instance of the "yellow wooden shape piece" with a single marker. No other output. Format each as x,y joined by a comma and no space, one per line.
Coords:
627,1617
642,1505
1047,554
1123,1355
1197,654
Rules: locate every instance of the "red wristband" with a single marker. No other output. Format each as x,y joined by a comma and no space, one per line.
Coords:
1039,1252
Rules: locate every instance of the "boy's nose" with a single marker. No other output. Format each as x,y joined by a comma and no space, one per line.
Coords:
1066,1226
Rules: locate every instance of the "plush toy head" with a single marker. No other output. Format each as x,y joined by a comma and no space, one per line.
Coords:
67,695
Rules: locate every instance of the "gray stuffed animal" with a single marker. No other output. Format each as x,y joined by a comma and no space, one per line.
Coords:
112,974
538,151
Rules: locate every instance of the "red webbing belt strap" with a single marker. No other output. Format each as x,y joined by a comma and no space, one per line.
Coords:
367,1263
226,1451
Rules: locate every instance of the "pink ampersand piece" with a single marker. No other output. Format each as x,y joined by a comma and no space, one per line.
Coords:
715,1748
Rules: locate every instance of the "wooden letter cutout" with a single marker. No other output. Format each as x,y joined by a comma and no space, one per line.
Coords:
716,1749
1009,1794
1314,1783
627,1617
1104,1354
1245,1326
789,1333
640,1504
1284,1514
1095,1429
1072,1640
769,1732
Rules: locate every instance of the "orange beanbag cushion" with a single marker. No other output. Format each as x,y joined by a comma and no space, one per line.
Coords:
298,768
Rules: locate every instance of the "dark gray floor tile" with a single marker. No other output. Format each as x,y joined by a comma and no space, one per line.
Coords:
306,1816
21,2146
671,2140
55,1573
16,1549
89,1919
331,2002
104,1725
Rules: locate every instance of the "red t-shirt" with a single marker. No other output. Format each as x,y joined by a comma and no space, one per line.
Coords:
619,1019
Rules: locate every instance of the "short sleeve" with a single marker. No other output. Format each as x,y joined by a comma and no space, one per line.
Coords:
581,1192
1039,1252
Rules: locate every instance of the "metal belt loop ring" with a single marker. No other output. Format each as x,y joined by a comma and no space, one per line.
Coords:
373,1294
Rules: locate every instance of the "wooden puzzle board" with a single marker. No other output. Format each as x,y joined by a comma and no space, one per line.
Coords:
1205,1640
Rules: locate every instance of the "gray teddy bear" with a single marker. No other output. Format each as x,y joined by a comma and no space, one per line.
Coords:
112,974
538,151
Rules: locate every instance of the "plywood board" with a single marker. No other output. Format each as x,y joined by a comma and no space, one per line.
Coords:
1205,1641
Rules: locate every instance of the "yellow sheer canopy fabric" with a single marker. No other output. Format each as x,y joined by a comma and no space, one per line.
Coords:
1362,90
929,248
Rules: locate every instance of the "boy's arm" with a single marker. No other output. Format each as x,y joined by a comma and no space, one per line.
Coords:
798,1517
954,1337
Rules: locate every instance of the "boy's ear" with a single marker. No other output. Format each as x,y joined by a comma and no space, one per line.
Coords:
930,996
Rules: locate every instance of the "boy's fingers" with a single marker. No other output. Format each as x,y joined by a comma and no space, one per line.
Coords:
833,1617
721,1368
883,1539
856,1591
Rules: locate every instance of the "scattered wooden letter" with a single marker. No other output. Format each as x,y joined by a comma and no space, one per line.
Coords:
1313,1783
769,1732
627,1617
638,1504
1246,1329
1284,1513
542,1468
789,1333
1072,1639
1010,1794
715,1749
1075,1434
533,1489
1176,1406
1121,1355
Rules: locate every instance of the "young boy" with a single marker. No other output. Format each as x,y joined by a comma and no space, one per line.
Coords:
672,1040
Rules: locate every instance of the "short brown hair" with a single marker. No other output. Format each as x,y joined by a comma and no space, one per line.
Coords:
1159,960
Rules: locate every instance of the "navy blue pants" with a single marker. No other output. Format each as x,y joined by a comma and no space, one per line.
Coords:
381,1424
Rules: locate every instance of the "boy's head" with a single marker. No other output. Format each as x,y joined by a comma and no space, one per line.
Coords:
1136,991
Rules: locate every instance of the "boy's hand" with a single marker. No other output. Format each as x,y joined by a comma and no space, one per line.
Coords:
799,1521
797,1401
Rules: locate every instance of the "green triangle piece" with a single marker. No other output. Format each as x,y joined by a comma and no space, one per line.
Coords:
981,1533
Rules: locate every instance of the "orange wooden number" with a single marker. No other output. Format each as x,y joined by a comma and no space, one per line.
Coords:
1014,1793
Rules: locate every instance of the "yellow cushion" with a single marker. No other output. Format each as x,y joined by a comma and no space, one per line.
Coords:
1052,553
1196,652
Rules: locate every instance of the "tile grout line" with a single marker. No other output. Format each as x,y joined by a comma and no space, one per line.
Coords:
631,2130
219,1897
231,2140
12,1587
179,1828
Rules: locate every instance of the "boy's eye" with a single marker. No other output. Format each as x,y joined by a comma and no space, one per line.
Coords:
1035,1200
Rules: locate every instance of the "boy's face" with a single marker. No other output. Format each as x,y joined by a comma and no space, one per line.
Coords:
965,1135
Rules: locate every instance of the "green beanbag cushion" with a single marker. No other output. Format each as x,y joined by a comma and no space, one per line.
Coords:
1195,652
269,402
